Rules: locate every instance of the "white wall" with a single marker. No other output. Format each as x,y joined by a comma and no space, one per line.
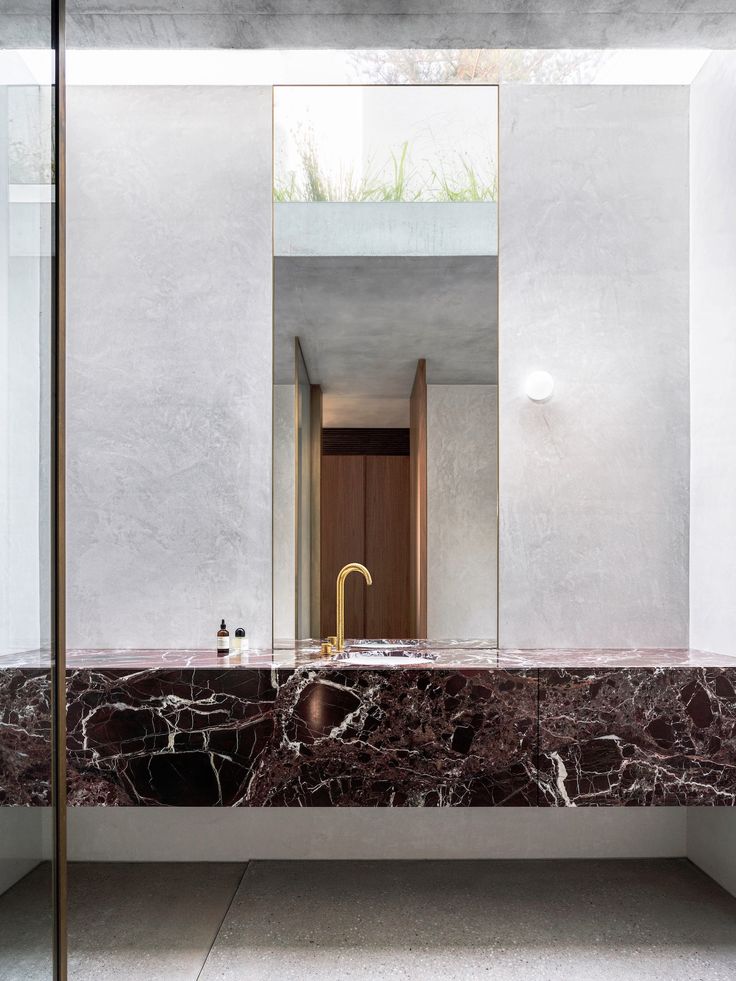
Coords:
303,480
25,338
713,356
169,369
593,286
462,477
711,843
22,840
208,834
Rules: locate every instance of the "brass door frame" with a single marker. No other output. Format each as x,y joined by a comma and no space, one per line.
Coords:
58,500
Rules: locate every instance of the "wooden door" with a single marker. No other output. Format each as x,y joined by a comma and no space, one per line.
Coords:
342,538
387,546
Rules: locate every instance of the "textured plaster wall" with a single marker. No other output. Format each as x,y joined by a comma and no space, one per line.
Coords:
462,422
169,366
284,494
22,512
713,357
593,286
25,339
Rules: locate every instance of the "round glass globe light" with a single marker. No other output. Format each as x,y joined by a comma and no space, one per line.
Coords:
539,386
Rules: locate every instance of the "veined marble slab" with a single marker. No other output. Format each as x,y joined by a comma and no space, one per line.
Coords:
440,654
468,725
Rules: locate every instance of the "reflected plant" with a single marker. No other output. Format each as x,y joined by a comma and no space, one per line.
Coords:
313,185
472,189
316,186
287,192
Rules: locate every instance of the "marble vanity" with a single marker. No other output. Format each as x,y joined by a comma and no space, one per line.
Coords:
464,726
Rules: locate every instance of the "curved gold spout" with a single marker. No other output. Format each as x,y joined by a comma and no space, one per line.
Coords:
341,577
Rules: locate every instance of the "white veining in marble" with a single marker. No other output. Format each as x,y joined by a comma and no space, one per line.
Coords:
713,356
169,370
593,285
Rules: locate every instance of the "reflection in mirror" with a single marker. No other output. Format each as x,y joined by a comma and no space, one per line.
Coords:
27,193
385,377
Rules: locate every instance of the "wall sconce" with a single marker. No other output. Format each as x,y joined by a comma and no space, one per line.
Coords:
539,386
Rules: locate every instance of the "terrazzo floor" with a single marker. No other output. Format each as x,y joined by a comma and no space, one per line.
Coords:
541,920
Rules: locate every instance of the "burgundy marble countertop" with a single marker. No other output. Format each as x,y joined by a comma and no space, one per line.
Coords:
380,655
420,723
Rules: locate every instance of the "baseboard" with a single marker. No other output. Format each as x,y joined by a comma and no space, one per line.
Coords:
201,834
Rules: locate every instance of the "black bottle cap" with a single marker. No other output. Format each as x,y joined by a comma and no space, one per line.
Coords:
222,626
240,632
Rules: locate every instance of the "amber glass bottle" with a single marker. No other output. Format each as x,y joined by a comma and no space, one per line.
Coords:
223,641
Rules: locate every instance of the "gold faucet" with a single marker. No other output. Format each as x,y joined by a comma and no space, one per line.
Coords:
338,643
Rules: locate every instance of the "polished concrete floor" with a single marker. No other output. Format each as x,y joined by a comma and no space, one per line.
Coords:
359,920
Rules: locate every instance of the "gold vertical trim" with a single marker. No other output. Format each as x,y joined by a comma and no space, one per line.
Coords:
58,508
498,367
297,486
273,370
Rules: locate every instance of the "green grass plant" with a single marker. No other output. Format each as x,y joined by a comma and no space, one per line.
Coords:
313,185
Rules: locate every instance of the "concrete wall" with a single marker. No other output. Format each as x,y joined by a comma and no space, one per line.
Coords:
303,479
25,292
713,357
25,339
347,24
232,834
284,494
169,369
386,229
22,844
462,476
593,285
711,843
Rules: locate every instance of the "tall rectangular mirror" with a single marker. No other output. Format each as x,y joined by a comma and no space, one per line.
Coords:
385,361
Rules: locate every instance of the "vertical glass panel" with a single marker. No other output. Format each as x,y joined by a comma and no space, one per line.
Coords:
27,195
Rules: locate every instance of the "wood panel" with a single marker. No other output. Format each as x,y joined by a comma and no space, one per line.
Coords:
342,539
418,504
387,546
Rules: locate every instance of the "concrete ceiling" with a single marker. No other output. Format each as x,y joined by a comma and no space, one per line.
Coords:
377,23
363,323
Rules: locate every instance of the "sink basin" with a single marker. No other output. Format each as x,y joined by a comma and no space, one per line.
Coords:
385,656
